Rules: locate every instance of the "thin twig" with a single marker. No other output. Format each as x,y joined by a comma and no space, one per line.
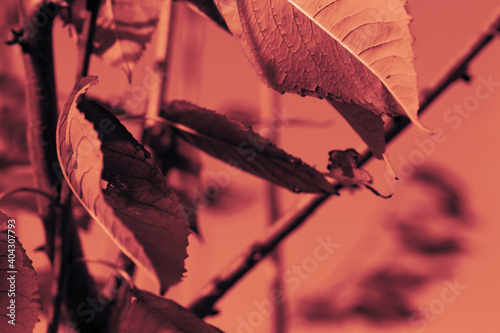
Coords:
8,193
271,104
89,28
204,305
124,273
161,59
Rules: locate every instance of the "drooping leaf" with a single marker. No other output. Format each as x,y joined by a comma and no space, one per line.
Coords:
145,312
353,52
19,298
136,208
241,147
368,125
377,35
180,163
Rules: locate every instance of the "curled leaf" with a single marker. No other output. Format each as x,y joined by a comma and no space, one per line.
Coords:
136,207
343,167
241,147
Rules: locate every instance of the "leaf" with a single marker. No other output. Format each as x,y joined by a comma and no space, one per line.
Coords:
16,269
124,27
241,147
356,53
384,295
353,51
136,208
368,125
145,312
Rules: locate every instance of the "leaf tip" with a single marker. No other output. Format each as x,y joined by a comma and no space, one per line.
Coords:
128,69
390,168
415,121
85,83
129,77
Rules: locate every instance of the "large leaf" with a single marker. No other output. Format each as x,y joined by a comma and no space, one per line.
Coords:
354,52
145,312
18,283
136,208
241,147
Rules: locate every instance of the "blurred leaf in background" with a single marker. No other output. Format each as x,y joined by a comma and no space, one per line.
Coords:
429,221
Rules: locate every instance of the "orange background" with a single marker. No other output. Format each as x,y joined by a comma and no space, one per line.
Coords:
217,76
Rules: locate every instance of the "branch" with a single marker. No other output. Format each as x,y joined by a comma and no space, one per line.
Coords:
116,289
88,44
204,306
61,257
161,59
35,39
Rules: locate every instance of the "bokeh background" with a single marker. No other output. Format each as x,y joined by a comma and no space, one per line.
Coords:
210,70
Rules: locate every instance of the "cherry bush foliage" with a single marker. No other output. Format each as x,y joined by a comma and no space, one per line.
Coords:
355,54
